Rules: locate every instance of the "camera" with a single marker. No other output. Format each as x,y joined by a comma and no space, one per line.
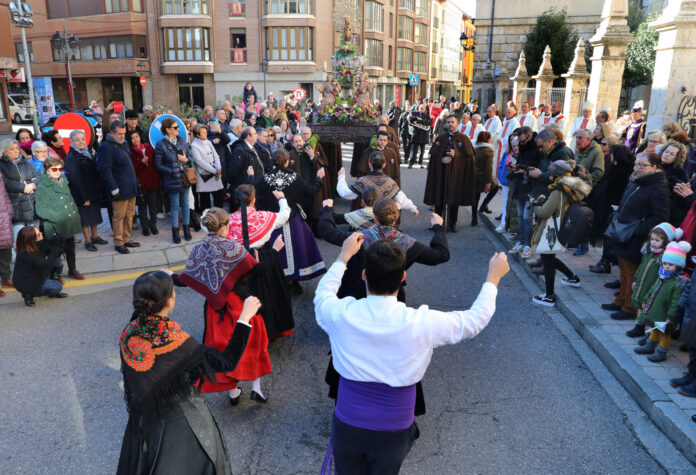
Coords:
525,168
537,202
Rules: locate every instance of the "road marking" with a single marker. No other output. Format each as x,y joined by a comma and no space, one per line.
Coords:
103,280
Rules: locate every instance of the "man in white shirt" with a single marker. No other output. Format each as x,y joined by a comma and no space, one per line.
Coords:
585,121
526,118
557,116
381,348
473,128
466,119
493,125
544,116
509,125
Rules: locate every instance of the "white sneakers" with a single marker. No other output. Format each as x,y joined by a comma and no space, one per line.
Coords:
500,229
516,248
526,252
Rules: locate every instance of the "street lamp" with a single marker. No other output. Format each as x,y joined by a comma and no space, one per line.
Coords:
264,69
21,16
67,47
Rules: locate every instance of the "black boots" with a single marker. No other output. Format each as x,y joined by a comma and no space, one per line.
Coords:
28,300
602,267
187,232
638,330
153,229
175,236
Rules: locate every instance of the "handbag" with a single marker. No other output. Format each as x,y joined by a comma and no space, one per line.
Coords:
549,242
189,176
622,232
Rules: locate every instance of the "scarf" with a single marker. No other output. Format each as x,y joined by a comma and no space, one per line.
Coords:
360,218
663,275
214,267
386,187
172,141
82,151
145,338
60,151
377,232
26,146
259,223
268,121
58,181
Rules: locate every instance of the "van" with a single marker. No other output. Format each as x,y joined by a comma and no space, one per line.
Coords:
20,110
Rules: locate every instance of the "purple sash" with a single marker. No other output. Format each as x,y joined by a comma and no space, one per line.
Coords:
375,406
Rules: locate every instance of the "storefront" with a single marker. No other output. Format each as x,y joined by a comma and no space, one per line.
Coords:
7,65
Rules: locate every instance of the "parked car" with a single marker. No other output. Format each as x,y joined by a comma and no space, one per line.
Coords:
20,110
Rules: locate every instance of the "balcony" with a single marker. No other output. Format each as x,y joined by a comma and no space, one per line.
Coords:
239,55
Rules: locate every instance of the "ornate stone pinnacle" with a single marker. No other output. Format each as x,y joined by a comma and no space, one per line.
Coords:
545,69
521,71
578,67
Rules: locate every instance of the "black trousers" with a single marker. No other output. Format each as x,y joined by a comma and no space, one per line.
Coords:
551,263
69,251
414,152
452,212
5,261
406,142
361,451
147,208
204,199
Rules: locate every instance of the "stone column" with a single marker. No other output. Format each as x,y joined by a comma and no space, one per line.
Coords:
675,63
502,82
520,80
576,79
544,78
609,56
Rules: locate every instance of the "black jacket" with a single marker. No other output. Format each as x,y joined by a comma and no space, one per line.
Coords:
264,154
242,158
15,176
529,156
33,268
608,191
540,186
295,189
421,127
84,178
116,169
168,164
394,115
222,150
678,205
645,199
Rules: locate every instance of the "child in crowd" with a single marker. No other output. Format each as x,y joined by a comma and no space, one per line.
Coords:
502,174
685,316
661,301
647,273
362,218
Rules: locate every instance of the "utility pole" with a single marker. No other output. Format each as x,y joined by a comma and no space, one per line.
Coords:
21,16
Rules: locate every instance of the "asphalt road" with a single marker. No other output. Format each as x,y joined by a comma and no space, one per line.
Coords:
517,399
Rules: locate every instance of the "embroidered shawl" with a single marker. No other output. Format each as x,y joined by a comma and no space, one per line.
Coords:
214,267
386,187
145,338
377,232
259,223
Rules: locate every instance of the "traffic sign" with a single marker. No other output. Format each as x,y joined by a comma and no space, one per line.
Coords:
155,129
69,121
143,81
413,80
299,93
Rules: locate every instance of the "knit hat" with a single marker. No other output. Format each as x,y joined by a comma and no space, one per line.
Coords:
673,234
676,253
560,168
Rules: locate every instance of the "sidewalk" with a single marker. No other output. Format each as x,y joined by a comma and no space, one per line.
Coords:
646,382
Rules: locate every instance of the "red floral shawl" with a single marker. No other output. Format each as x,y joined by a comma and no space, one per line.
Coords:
259,223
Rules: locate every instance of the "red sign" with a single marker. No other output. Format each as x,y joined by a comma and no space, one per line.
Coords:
13,75
143,80
69,121
299,93
397,95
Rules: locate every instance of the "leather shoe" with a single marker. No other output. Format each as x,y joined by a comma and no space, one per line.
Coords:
622,315
614,284
91,247
7,284
74,274
535,264
132,244
122,249
538,270
234,401
254,396
59,295
452,229
28,300
98,240
612,307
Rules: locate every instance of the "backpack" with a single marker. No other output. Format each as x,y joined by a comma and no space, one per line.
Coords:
576,225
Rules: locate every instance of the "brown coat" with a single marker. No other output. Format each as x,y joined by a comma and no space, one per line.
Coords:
335,161
483,167
453,183
318,162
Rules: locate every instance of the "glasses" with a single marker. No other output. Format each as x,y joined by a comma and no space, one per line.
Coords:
603,144
56,169
642,165
175,127
40,151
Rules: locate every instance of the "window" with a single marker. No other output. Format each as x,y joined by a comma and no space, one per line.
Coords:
237,8
421,34
419,62
373,53
404,59
186,44
391,25
116,6
374,16
289,43
389,58
185,7
75,8
20,52
191,89
238,45
137,5
405,31
106,47
288,7
407,4
422,8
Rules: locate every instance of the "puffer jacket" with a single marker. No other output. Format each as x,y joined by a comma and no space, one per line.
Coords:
6,214
567,190
646,199
15,176
169,166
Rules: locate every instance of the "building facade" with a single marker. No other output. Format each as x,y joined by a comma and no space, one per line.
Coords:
8,63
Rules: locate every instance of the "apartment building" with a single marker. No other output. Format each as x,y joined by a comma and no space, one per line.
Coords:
446,51
7,64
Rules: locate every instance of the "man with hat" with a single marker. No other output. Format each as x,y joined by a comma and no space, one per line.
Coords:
585,121
635,132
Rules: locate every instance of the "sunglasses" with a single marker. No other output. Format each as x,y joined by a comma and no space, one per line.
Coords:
175,127
56,169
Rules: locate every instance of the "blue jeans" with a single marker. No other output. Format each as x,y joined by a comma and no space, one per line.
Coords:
18,225
179,200
524,222
51,287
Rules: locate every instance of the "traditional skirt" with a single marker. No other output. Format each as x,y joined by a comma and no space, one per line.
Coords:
300,257
255,361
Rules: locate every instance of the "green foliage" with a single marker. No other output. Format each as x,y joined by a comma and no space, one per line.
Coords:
635,15
552,28
640,55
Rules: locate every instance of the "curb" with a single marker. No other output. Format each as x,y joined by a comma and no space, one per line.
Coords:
656,404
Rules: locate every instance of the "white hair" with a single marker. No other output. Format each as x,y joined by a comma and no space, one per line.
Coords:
7,144
38,144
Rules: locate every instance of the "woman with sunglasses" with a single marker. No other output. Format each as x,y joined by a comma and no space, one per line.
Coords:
56,208
20,179
172,160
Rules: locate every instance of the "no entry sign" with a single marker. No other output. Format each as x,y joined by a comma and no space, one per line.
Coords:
299,93
69,121
143,80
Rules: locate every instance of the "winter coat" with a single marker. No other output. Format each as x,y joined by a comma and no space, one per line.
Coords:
593,161
171,170
607,192
264,153
6,237
84,179
434,114
148,176
558,152
503,169
665,303
296,190
32,269
645,199
646,275
686,311
56,207
451,184
421,127
116,169
15,176
223,151
572,190
530,156
483,167
678,206
249,92
207,163
244,157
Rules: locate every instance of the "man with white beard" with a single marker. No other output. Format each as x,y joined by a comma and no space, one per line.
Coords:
585,121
